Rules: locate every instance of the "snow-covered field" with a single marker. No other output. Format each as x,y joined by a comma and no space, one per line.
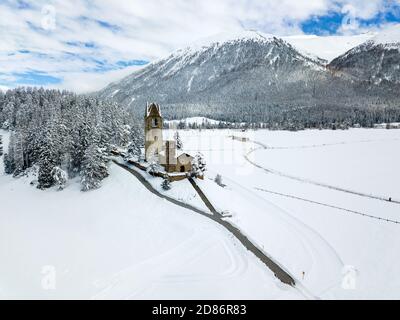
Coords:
119,242
300,199
342,253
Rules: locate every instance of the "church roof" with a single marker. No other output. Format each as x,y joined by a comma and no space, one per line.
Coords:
153,109
181,153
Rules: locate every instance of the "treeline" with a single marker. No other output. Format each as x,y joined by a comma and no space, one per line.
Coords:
63,135
290,118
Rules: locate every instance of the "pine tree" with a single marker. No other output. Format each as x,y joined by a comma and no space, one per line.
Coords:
166,184
154,166
198,165
94,168
8,164
60,177
18,154
1,146
135,145
218,180
179,144
47,162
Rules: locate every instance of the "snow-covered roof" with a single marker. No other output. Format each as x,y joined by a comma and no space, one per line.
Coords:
181,153
178,154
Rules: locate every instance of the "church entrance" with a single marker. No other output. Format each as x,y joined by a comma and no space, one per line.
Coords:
183,169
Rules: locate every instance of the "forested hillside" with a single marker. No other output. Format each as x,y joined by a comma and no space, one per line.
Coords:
258,79
62,135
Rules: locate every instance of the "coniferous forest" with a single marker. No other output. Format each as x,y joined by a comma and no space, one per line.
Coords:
62,135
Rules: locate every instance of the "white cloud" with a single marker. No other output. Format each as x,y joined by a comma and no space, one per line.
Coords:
84,82
3,88
142,30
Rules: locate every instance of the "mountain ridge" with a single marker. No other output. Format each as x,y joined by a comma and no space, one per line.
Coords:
252,76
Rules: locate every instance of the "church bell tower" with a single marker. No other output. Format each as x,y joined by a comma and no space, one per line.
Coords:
153,125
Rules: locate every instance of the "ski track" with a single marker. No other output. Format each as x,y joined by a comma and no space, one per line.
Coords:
328,206
120,285
322,145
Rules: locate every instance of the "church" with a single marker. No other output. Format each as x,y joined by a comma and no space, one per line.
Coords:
163,152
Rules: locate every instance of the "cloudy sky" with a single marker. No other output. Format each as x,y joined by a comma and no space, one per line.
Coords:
82,45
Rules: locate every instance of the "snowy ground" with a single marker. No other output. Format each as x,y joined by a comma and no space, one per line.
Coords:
123,242
342,254
119,242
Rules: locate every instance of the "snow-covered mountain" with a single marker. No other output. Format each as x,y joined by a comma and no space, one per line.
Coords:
327,47
249,68
375,61
245,77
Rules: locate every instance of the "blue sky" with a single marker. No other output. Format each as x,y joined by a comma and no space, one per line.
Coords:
82,45
332,22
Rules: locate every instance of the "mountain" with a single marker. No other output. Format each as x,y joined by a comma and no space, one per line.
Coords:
375,61
327,47
250,67
250,77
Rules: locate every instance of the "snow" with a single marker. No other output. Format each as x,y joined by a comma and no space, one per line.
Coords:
180,190
114,93
388,36
324,242
119,242
194,73
123,242
230,36
327,47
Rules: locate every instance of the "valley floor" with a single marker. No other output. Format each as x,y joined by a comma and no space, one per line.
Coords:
290,196
121,241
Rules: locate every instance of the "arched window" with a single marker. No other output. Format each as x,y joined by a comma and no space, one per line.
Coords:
154,122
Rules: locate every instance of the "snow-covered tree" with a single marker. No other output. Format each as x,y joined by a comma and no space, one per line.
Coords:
135,146
8,164
47,162
218,180
60,177
51,128
166,184
134,151
1,146
19,154
179,144
94,168
154,165
198,165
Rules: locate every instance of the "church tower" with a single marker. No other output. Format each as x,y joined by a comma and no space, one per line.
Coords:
153,125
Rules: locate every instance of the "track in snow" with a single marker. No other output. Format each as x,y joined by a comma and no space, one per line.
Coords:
316,183
329,206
